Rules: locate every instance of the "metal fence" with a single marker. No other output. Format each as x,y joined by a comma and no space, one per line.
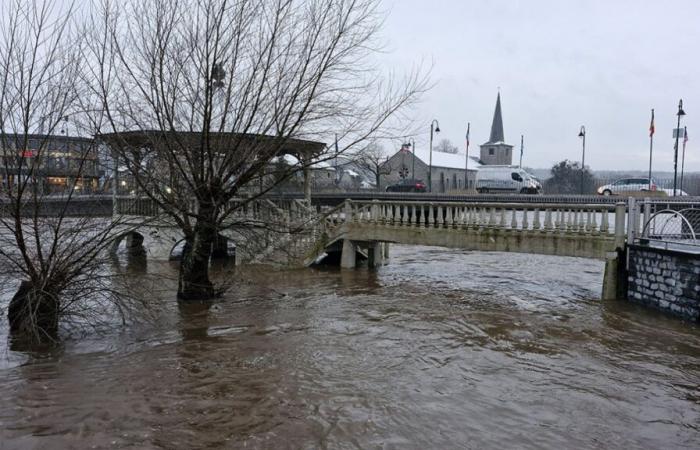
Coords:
673,223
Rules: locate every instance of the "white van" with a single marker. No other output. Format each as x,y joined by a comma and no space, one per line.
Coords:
506,179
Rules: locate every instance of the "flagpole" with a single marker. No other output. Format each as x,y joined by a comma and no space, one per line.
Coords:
466,161
685,140
651,144
522,146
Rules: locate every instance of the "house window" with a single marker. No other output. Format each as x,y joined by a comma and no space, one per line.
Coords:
492,151
507,151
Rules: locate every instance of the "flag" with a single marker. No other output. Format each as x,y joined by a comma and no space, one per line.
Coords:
651,125
468,126
405,147
685,135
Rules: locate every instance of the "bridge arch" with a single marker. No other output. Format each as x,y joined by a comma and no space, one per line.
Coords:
134,243
224,248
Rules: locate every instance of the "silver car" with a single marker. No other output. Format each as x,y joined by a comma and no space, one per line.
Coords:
627,186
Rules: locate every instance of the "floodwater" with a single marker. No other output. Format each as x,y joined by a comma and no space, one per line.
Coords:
439,349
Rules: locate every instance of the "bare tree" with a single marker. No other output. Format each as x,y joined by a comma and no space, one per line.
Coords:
372,159
201,97
446,146
57,259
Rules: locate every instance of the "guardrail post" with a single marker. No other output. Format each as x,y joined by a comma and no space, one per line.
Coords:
647,216
620,225
631,219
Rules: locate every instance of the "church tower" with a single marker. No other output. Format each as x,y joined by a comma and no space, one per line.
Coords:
496,151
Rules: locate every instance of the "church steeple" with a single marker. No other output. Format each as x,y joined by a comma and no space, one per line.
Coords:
496,151
497,124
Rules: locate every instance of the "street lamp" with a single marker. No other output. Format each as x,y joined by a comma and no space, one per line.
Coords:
434,127
412,143
582,135
680,114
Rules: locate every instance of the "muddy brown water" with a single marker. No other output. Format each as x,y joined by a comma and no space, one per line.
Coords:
439,349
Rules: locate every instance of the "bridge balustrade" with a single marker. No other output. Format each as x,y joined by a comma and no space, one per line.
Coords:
566,218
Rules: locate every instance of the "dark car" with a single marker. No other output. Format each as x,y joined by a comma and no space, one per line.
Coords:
407,186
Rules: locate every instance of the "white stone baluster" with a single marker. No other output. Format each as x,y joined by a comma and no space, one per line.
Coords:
594,222
422,216
526,223
405,220
502,222
431,216
439,216
548,219
536,225
581,225
414,216
604,222
514,219
448,217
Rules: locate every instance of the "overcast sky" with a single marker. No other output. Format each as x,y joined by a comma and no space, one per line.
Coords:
560,64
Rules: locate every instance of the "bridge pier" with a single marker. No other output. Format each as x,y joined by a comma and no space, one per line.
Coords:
375,254
615,277
134,244
348,255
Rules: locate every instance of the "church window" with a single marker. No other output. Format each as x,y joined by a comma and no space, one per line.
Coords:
492,151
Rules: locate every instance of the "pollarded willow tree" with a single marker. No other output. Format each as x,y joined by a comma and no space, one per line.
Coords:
54,263
202,96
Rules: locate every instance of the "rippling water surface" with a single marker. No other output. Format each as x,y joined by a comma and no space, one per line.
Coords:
439,349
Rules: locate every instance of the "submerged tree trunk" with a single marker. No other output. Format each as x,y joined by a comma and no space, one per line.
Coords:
194,282
33,315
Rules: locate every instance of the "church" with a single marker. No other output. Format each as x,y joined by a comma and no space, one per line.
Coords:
448,170
496,151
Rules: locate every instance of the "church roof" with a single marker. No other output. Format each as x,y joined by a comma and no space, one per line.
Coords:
444,160
497,124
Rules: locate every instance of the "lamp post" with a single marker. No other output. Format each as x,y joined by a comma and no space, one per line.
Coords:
466,158
434,128
680,114
412,143
582,135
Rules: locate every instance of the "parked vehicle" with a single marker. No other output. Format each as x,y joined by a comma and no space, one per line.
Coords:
669,192
628,186
408,185
506,179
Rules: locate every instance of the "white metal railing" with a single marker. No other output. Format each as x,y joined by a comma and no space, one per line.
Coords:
672,223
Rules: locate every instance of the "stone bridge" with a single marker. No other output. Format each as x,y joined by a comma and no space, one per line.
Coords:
293,232
367,228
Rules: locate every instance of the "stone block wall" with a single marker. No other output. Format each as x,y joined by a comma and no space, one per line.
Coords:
667,280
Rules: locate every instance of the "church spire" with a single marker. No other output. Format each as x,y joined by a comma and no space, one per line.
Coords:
497,125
